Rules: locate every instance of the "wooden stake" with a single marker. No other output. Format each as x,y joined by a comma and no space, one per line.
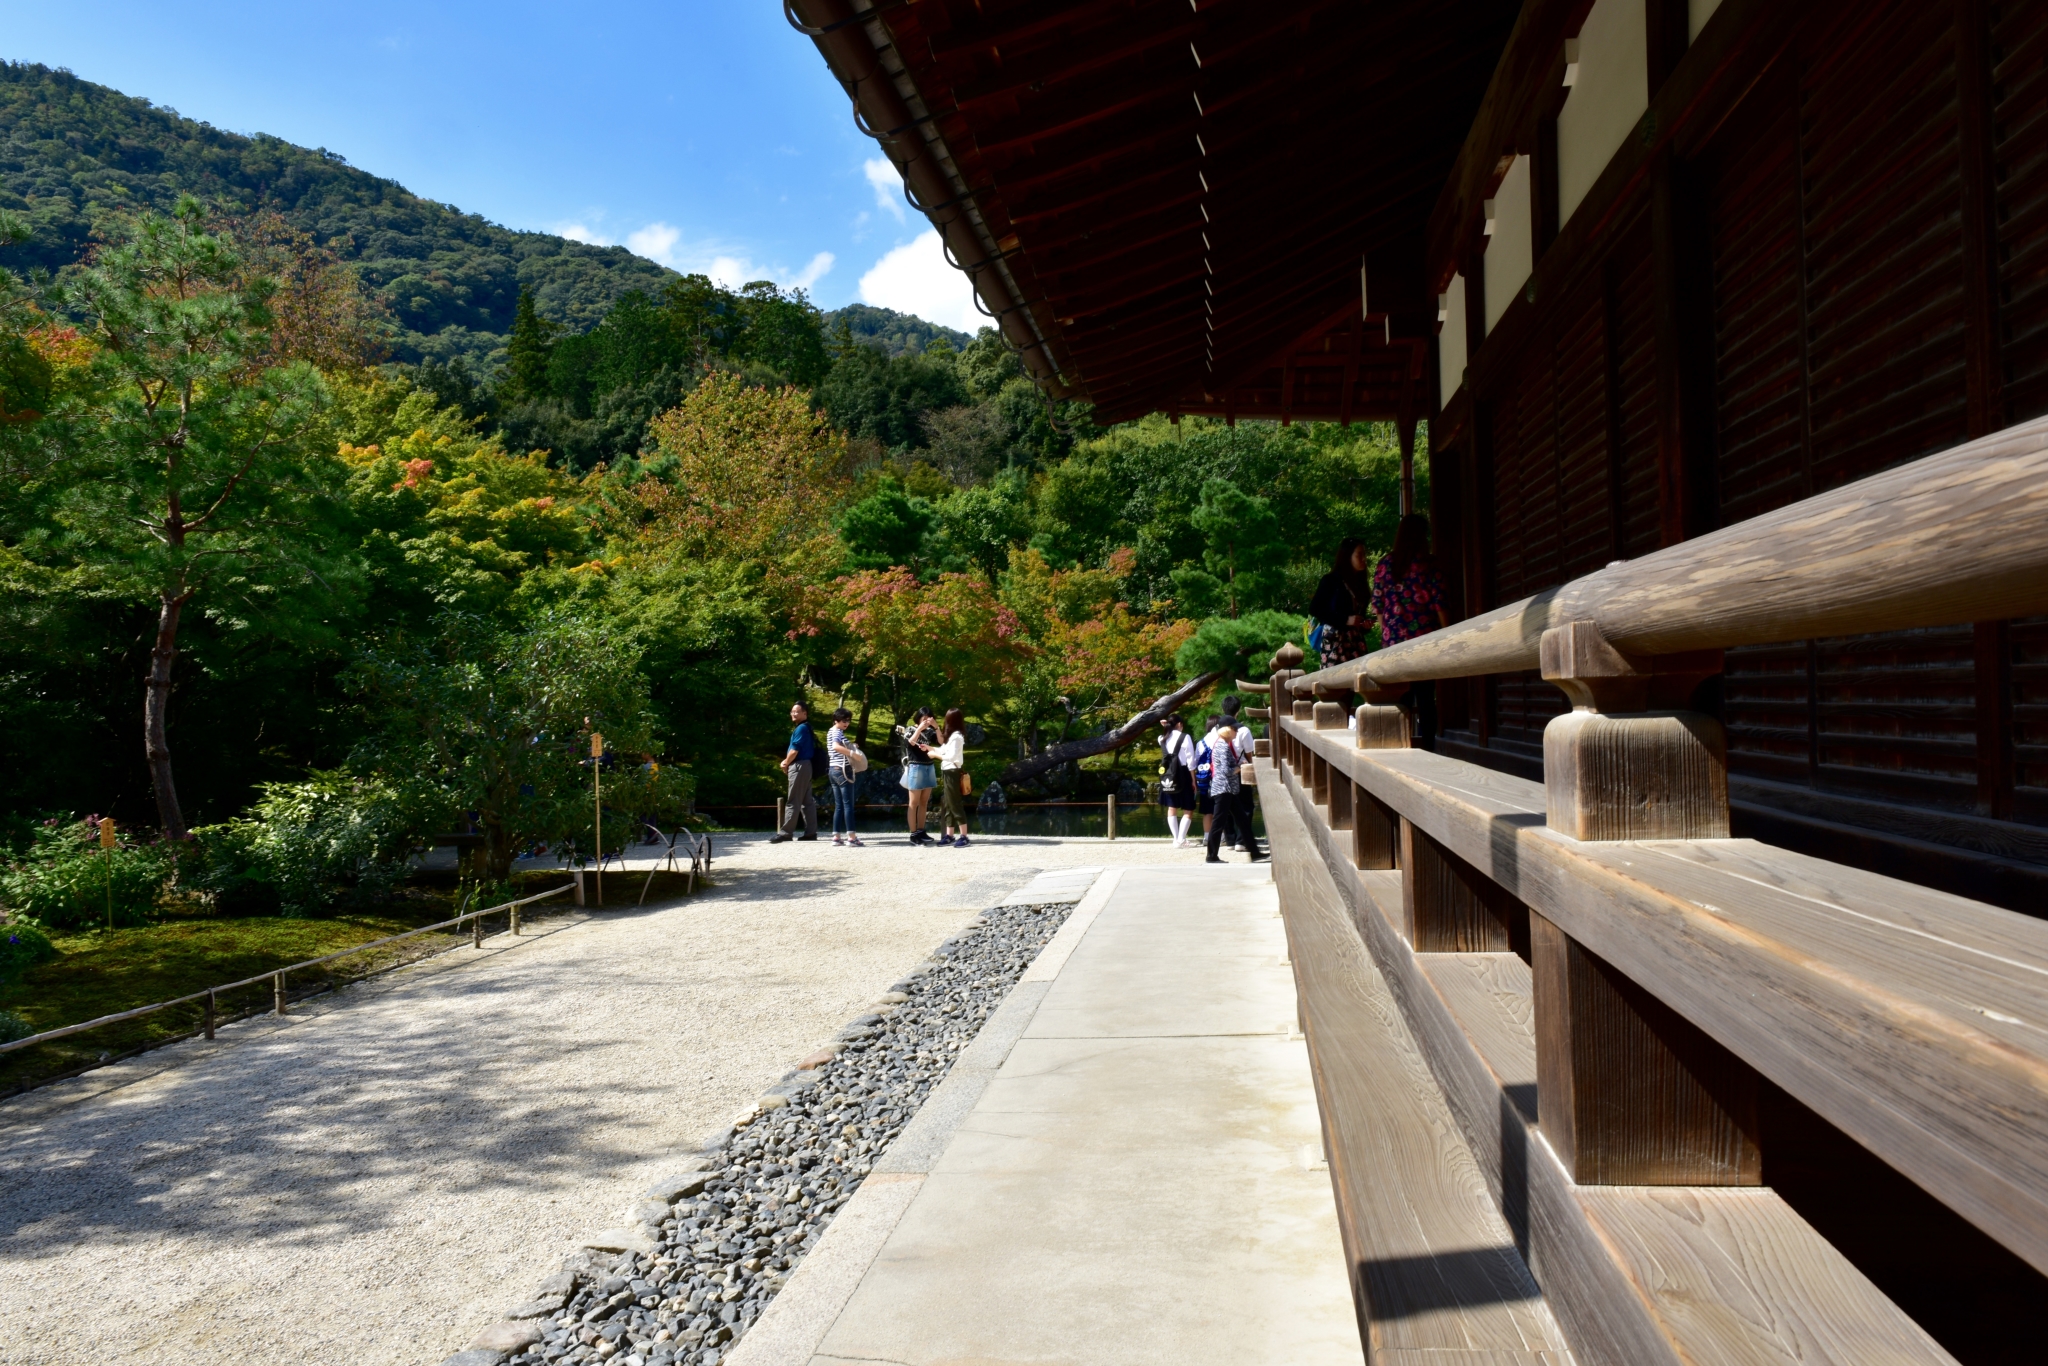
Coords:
209,1012
277,990
597,799
1112,815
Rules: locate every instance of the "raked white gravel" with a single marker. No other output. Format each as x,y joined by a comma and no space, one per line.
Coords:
372,1180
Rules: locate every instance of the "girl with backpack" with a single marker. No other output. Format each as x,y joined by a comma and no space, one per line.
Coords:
1177,778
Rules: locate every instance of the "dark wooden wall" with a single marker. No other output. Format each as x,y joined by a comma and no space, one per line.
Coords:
1849,271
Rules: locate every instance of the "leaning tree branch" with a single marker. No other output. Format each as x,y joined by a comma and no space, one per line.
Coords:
1066,752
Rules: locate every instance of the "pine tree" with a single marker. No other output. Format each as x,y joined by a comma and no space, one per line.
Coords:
527,351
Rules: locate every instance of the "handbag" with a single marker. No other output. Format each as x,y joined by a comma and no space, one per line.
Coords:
859,761
966,783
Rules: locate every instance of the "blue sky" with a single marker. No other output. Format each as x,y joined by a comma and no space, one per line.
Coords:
707,136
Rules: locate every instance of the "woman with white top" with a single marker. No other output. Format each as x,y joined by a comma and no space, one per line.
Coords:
839,747
952,757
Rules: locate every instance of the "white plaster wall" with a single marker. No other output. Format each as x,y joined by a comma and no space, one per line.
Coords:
1612,92
1511,251
1697,12
1450,345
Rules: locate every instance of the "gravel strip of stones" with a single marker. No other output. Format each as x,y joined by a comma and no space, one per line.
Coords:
724,1240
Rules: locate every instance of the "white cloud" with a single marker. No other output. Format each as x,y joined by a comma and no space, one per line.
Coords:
660,242
812,273
657,242
887,184
917,278
578,232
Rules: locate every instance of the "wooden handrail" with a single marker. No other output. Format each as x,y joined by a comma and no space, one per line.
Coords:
1955,537
1908,1018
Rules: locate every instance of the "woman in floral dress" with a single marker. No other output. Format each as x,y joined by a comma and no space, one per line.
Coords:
1408,599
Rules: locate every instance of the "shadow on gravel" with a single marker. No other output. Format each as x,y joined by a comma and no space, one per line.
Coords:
346,1121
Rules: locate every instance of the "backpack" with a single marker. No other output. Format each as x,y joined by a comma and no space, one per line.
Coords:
1204,762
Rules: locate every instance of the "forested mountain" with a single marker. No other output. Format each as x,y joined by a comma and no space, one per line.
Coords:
70,150
893,334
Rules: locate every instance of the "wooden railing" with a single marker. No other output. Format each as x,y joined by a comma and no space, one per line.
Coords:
1545,1017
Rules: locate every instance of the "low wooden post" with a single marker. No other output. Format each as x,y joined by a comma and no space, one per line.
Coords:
476,930
1630,1093
277,991
578,875
209,1012
515,921
1375,831
1448,906
1111,812
780,802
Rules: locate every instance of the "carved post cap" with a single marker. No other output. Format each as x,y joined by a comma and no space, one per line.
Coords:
1328,715
1288,656
1304,710
1595,675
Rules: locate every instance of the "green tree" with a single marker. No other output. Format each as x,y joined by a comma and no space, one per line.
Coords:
1243,549
528,351
496,721
188,473
887,528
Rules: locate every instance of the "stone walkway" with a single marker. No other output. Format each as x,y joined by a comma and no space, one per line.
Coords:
1125,1167
373,1179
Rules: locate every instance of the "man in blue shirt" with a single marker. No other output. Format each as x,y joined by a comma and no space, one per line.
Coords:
800,763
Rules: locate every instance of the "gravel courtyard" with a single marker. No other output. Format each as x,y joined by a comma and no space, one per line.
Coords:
377,1177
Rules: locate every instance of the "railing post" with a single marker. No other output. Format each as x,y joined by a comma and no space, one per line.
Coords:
1110,812
1375,830
578,874
1448,906
515,920
277,990
1630,1093
209,1012
476,931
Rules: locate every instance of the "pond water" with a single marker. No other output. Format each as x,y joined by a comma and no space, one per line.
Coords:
1059,820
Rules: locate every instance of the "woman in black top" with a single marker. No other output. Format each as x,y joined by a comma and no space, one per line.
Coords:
1343,603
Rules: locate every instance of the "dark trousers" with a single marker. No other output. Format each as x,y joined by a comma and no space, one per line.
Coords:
1234,814
802,804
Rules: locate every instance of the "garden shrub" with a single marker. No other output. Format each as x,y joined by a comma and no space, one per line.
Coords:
334,841
62,880
13,1027
22,946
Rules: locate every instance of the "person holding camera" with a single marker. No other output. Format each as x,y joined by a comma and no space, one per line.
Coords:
919,773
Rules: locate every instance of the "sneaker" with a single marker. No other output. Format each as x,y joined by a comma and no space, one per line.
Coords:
945,839
806,837
960,843
780,837
853,842
1212,859
1260,858
837,841
921,837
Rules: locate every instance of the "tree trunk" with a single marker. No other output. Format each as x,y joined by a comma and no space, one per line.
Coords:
860,729
156,706
1075,750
